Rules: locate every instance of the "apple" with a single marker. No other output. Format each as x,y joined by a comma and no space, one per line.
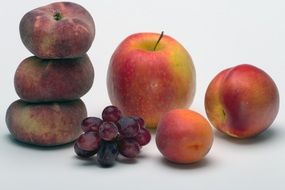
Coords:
46,124
46,80
58,30
150,74
183,136
242,101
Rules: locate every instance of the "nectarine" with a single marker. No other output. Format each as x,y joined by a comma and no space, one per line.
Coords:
242,101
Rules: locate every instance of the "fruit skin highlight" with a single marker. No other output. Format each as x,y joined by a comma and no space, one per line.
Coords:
147,82
58,30
45,124
51,80
183,136
242,101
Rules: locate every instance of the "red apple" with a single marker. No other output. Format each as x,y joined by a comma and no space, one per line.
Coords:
150,74
58,30
184,136
242,101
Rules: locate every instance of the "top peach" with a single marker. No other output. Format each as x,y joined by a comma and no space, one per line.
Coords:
58,30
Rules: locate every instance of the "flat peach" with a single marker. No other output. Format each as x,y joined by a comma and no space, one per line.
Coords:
45,124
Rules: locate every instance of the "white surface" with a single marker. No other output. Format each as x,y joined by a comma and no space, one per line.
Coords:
218,34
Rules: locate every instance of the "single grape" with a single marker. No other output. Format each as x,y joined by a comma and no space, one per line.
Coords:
91,124
143,137
83,153
139,120
128,127
89,141
129,148
111,113
108,131
107,153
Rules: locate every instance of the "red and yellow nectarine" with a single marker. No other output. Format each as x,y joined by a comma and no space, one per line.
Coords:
242,101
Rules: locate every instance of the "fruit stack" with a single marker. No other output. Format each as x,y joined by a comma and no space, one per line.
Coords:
51,82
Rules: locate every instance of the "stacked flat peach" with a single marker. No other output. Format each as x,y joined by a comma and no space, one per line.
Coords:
51,83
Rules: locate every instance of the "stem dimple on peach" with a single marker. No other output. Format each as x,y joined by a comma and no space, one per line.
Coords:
57,15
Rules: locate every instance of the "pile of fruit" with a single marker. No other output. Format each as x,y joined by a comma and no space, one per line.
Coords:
151,82
51,82
111,135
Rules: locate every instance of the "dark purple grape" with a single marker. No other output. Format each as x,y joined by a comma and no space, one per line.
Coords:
143,137
128,127
139,120
91,124
89,141
129,148
108,152
111,113
108,131
83,153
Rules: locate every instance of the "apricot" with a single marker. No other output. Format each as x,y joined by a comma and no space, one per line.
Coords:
45,124
183,136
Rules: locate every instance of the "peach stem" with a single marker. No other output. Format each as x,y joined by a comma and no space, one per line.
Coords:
57,16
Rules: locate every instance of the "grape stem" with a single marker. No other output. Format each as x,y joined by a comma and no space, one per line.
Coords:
160,37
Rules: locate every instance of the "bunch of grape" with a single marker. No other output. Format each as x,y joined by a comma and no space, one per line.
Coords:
111,135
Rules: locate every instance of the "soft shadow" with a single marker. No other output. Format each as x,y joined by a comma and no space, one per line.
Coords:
124,160
37,147
92,161
267,135
205,162
86,161
152,130
142,155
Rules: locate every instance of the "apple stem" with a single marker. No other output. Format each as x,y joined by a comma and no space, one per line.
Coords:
161,35
57,16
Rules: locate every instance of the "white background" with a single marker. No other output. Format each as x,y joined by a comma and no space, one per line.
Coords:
218,34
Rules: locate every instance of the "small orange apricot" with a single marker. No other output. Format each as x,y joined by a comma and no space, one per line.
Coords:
184,136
